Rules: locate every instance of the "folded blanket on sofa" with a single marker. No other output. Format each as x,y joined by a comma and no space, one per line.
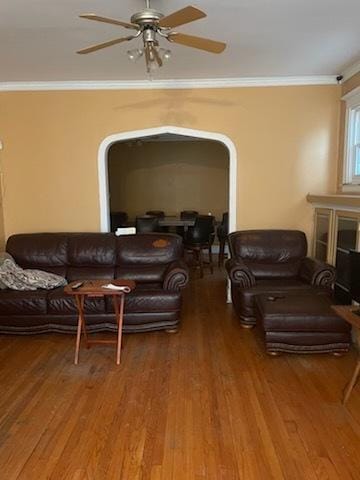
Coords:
16,278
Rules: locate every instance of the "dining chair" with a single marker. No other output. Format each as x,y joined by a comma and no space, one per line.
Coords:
160,214
146,224
117,219
222,234
188,214
156,213
201,237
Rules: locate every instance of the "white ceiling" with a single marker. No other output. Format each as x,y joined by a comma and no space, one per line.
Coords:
38,39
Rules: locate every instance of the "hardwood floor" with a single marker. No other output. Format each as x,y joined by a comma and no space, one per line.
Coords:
206,403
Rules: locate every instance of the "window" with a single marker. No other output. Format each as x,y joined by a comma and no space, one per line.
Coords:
352,140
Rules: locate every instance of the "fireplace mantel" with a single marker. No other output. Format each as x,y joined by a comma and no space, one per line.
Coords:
345,202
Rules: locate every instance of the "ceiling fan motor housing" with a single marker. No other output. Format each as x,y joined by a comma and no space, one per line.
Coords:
147,17
149,35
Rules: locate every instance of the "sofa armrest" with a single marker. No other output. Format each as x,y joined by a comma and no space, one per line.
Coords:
176,275
317,273
239,273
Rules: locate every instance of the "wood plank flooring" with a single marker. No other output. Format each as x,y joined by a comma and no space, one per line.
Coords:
206,403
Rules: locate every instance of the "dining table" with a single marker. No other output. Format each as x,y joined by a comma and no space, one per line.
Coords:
174,221
168,221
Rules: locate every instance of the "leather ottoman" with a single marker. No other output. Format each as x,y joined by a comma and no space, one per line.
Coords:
302,323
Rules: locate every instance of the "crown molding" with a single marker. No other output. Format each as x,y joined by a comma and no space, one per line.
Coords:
350,71
169,84
352,97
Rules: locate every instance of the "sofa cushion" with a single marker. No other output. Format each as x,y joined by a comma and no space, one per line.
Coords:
141,273
59,303
14,302
273,286
89,273
38,250
148,249
263,271
270,253
148,300
91,249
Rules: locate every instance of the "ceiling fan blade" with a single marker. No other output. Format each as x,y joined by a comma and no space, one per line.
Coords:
97,18
185,15
99,46
197,42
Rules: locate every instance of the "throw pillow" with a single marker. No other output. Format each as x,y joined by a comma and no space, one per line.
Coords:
3,257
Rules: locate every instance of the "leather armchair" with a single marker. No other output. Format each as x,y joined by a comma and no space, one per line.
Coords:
272,262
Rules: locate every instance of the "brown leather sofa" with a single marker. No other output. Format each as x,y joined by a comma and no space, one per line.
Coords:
272,262
153,260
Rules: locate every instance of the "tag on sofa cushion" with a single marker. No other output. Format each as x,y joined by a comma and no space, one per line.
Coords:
161,243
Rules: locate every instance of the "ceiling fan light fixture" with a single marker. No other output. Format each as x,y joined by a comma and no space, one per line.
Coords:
165,54
135,54
151,25
153,66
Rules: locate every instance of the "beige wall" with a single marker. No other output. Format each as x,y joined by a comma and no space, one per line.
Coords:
286,140
346,87
2,232
170,176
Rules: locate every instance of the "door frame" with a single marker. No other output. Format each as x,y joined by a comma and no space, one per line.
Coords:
148,132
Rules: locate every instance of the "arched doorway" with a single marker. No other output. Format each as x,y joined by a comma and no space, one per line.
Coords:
103,165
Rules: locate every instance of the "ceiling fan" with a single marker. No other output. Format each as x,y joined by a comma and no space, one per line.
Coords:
151,25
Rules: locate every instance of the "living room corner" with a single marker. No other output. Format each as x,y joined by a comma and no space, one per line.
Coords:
180,240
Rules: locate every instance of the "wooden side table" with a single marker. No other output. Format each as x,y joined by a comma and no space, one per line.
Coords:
95,288
346,312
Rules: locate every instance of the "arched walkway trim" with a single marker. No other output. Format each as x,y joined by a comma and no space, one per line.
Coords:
188,132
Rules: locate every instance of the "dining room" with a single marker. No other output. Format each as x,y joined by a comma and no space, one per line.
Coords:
167,175
169,183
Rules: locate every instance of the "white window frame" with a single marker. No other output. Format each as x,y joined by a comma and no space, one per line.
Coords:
351,182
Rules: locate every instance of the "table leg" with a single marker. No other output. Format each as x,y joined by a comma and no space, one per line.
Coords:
119,311
352,382
84,324
80,299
